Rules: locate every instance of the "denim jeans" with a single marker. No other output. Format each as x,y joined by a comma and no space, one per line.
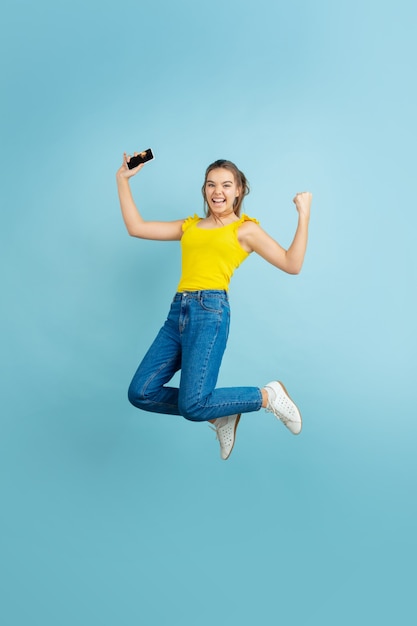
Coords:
193,340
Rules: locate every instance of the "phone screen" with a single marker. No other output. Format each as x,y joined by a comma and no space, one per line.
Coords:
142,157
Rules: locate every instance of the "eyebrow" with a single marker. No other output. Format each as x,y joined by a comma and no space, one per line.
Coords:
223,182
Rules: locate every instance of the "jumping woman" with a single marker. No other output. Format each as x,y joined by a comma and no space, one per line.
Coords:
194,336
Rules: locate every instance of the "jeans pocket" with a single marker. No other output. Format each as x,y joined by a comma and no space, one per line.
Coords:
213,303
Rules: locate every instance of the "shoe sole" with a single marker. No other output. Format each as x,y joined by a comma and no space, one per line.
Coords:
301,419
234,436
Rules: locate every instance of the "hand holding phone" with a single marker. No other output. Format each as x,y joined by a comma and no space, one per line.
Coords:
142,157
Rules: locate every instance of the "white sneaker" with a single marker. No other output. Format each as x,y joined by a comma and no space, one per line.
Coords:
225,428
281,405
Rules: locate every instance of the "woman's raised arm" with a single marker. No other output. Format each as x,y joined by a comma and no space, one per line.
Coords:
254,239
135,224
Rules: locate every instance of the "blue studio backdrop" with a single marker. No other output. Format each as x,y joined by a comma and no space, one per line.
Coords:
113,516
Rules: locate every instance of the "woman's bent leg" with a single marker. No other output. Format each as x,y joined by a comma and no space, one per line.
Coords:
204,337
163,359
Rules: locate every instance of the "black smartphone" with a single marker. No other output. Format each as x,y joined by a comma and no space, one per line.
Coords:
142,157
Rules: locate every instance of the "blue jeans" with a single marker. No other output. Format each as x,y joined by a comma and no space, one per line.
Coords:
193,340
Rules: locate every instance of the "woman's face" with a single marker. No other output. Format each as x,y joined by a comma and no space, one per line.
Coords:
221,191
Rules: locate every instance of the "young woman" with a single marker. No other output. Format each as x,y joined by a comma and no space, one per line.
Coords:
194,335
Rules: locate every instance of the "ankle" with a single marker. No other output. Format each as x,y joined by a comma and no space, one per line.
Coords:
265,398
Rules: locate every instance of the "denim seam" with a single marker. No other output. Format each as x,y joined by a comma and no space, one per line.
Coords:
208,355
150,379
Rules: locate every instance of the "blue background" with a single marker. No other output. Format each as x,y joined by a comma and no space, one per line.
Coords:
114,516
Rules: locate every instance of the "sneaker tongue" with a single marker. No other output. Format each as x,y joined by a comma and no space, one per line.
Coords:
271,393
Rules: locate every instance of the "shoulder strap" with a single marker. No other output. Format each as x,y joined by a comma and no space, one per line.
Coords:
190,221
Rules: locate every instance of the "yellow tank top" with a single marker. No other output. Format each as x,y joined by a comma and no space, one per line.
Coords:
210,255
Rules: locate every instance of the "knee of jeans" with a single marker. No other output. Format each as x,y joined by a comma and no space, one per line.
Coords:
135,397
192,411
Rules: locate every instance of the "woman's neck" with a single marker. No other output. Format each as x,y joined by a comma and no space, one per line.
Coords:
222,219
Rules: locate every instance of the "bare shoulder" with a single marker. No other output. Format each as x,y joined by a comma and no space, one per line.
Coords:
247,233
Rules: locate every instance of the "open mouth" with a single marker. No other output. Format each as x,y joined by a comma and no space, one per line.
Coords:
218,202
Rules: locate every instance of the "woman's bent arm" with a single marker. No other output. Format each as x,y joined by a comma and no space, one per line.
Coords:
255,239
135,224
